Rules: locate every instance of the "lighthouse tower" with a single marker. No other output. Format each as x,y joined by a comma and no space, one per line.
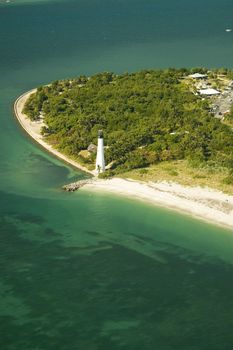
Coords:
100,163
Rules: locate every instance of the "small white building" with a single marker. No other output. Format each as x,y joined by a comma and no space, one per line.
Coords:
209,92
198,76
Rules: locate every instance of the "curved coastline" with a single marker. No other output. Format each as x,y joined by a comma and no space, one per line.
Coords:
206,204
33,130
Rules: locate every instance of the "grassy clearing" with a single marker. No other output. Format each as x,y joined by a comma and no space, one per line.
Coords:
181,172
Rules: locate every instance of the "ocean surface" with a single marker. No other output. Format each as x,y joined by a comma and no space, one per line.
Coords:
88,271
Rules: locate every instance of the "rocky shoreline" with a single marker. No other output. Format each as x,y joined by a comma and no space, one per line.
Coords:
74,186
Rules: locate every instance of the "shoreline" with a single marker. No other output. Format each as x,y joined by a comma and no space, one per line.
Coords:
206,204
32,128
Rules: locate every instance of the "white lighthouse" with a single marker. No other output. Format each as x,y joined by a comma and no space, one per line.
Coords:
100,163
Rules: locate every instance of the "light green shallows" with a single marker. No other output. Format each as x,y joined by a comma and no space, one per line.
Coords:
93,271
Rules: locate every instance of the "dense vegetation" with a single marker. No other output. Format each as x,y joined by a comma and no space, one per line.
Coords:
147,117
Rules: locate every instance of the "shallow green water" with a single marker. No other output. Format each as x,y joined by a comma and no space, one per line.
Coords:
93,271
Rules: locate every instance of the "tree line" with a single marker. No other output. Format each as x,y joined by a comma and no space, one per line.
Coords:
147,117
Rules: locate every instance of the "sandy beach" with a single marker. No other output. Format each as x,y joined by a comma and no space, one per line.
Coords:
33,129
203,203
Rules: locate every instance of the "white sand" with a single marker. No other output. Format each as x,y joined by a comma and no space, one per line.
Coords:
33,129
204,203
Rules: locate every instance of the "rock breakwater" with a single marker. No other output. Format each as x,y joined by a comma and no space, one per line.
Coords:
74,186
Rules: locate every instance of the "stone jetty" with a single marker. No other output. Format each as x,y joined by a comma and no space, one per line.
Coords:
74,186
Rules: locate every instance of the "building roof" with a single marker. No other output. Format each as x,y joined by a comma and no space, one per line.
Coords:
209,92
92,148
197,76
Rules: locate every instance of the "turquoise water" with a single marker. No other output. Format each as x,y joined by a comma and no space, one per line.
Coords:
94,271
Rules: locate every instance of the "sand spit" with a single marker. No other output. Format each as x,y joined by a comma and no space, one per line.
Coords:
33,129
